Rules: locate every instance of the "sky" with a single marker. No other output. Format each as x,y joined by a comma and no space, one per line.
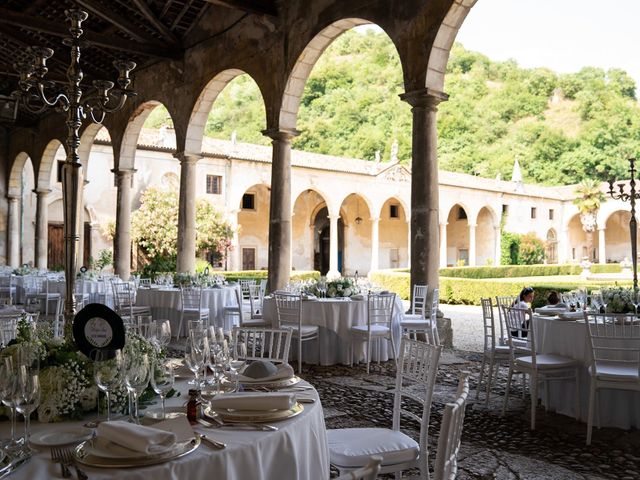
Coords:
564,35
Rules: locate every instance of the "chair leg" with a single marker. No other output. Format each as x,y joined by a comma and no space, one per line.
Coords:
489,380
578,412
533,379
368,353
484,359
393,351
506,392
300,355
592,400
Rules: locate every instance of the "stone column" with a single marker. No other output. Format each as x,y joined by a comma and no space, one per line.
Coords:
187,213
279,264
498,246
424,186
13,224
443,245
333,246
563,246
312,244
42,227
375,244
602,251
409,243
122,239
234,254
472,244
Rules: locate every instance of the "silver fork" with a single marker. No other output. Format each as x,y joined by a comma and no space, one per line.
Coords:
67,458
56,456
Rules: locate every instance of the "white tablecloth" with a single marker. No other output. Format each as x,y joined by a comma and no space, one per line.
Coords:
617,408
166,303
335,317
99,291
298,450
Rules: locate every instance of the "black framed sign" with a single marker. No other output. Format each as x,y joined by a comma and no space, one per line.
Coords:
97,327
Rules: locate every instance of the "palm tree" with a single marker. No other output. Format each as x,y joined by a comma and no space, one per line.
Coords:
589,196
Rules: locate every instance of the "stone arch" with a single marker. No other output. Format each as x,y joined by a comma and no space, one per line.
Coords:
305,63
393,234
127,157
577,238
457,246
253,228
86,143
443,42
306,248
551,246
355,213
203,105
15,177
47,163
486,222
616,235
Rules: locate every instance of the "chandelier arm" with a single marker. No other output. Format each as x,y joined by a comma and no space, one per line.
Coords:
95,119
118,106
32,109
61,97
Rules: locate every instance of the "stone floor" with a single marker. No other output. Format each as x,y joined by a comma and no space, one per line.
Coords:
492,446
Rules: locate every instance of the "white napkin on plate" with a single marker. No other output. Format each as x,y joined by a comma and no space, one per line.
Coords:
255,401
284,371
134,437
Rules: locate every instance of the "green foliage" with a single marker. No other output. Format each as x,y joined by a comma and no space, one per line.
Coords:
531,250
202,265
105,259
514,271
509,248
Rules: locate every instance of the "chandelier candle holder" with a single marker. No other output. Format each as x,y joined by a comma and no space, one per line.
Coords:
37,95
630,197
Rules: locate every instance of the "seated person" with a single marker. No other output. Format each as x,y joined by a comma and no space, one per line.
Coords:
525,298
553,300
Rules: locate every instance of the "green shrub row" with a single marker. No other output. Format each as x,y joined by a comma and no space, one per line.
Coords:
394,281
512,271
260,274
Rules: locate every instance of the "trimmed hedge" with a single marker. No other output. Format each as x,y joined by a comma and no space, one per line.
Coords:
516,271
260,274
394,281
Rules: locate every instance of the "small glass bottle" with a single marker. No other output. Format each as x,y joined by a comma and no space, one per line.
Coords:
193,405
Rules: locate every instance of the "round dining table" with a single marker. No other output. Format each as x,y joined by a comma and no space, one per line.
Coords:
297,450
335,317
165,303
570,338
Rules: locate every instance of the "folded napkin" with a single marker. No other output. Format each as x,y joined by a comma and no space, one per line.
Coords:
357,296
134,437
309,296
254,401
284,370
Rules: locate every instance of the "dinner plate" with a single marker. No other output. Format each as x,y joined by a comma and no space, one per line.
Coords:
62,436
92,457
269,385
253,416
171,412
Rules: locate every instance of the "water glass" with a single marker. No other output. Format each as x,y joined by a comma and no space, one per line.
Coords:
162,380
195,355
8,379
163,332
107,372
136,376
27,394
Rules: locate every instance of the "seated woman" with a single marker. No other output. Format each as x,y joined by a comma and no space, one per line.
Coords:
553,300
525,299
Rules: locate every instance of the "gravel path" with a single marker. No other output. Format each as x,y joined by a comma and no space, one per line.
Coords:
466,321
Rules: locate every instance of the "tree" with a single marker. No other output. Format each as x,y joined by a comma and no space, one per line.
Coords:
154,226
589,198
531,250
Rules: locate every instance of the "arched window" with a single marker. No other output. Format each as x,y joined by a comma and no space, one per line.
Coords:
551,253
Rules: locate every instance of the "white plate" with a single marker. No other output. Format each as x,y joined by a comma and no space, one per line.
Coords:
62,436
172,412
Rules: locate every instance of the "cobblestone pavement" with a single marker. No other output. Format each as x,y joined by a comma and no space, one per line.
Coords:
492,446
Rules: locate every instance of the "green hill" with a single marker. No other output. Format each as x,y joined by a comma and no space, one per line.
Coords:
561,127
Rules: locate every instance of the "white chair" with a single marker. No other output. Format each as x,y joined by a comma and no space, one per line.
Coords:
351,448
418,312
263,287
145,282
231,312
38,290
191,306
492,353
124,300
504,301
8,327
7,289
446,466
255,300
539,366
427,324
245,283
82,297
614,341
368,472
289,314
379,318
270,344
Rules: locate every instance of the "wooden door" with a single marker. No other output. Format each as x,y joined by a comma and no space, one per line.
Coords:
55,256
248,258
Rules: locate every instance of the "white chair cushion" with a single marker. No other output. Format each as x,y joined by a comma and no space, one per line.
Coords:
615,371
352,447
195,310
415,323
412,316
307,330
376,330
502,350
546,361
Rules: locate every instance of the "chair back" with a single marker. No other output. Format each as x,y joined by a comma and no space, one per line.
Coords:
489,326
289,310
435,303
417,365
191,297
255,300
7,289
270,344
446,465
614,340
419,299
380,309
368,472
263,287
519,326
504,301
244,286
8,327
145,282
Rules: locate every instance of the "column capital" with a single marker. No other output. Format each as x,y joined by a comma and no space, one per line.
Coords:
424,98
13,198
375,219
42,191
188,157
472,225
281,134
444,224
123,172
333,217
602,229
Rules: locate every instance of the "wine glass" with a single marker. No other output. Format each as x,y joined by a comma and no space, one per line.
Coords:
7,391
27,393
195,355
163,332
237,359
162,380
136,376
107,372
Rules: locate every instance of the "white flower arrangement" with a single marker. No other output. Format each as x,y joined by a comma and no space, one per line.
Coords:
618,299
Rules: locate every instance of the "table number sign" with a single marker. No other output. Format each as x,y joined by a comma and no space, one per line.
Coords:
97,327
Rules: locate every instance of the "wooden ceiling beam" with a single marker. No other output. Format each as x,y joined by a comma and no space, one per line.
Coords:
155,21
250,6
29,22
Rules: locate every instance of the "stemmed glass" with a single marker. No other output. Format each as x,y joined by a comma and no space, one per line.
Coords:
162,380
163,332
27,387
107,372
195,355
136,376
635,300
7,391
237,361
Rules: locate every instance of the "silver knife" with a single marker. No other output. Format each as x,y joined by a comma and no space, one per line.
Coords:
14,464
